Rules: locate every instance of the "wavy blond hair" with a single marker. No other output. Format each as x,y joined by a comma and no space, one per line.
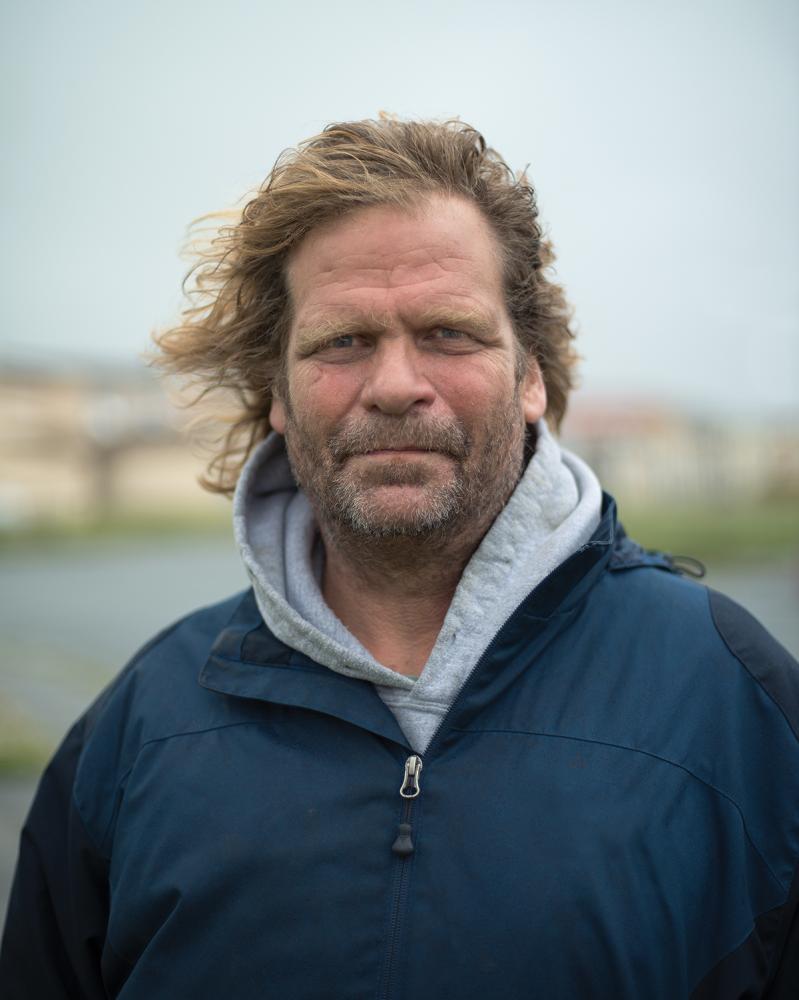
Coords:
232,335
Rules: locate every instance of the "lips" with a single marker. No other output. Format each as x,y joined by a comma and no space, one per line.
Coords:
410,447
408,454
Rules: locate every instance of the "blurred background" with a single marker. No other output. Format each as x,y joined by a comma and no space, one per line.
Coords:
663,140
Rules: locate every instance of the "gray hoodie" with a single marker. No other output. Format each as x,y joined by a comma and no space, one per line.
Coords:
553,511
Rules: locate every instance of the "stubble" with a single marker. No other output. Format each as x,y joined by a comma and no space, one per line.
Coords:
456,496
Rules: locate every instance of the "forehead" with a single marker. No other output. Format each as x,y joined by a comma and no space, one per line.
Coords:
439,253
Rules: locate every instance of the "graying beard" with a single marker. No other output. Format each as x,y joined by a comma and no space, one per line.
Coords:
351,510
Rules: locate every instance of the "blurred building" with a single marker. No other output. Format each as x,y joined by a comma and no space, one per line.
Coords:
653,455
86,443
76,445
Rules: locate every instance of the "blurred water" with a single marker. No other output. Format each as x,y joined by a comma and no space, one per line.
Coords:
69,620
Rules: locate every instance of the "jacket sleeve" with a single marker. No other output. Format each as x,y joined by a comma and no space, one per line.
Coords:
785,977
776,933
58,911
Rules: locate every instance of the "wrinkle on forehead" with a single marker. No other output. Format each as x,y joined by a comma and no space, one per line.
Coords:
369,257
424,278
391,267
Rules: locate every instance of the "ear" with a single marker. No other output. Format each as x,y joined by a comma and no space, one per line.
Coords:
534,393
277,415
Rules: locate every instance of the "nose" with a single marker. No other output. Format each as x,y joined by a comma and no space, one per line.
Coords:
396,382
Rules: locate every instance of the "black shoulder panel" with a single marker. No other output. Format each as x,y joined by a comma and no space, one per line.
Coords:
766,964
769,663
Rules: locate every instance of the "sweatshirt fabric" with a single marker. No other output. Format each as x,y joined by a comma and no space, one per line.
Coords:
552,513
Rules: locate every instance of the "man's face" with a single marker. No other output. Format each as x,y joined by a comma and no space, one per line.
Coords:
403,414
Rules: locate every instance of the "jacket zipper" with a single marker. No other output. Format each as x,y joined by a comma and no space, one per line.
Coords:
410,788
403,848
403,845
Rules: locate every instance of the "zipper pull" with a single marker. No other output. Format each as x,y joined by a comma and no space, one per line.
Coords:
403,845
409,789
410,783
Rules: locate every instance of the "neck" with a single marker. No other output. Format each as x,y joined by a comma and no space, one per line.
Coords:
393,594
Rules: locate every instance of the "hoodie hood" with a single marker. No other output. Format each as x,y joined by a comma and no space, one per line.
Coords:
553,511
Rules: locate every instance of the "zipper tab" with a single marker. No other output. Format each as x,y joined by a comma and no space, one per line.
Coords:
410,783
403,845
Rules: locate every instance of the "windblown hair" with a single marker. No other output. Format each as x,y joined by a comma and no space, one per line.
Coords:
233,333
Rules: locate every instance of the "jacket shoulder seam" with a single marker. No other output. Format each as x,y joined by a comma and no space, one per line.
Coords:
175,736
654,756
156,739
755,679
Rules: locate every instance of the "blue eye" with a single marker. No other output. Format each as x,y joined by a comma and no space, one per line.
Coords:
448,333
345,340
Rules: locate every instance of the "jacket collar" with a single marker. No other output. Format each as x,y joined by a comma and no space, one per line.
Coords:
247,661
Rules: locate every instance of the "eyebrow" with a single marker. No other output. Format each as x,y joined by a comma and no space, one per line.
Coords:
316,332
474,320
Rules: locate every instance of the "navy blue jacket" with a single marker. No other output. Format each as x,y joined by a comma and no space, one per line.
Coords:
610,809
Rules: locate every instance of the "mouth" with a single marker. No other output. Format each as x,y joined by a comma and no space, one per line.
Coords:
395,448
404,440
395,452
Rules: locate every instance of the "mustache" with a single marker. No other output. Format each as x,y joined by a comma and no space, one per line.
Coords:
387,433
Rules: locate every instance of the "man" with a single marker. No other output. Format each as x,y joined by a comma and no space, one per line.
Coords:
462,738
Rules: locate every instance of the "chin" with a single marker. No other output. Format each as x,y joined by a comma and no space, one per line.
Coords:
401,512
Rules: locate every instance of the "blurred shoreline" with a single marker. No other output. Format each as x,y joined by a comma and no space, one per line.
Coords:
77,605
739,530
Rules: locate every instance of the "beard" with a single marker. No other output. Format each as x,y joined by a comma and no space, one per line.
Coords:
450,481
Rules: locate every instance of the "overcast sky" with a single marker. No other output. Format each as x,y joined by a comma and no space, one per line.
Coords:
662,136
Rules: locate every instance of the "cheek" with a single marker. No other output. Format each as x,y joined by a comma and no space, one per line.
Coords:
326,392
473,389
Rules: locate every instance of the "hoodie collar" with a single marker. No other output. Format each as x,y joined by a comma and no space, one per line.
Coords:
553,511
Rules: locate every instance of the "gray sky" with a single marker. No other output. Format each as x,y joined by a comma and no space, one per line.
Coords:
662,136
